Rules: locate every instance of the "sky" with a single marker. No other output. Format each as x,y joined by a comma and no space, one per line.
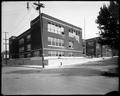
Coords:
16,18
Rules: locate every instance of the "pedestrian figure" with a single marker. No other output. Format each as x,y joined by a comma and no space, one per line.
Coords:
61,63
60,60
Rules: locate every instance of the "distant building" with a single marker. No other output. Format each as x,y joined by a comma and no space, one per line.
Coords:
3,55
58,38
13,47
94,49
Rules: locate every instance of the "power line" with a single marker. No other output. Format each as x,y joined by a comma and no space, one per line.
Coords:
12,13
18,26
23,19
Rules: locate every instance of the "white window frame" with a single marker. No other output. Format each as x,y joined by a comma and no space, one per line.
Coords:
71,44
49,27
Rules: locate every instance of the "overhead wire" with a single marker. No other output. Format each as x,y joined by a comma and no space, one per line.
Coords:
16,26
20,22
23,19
26,20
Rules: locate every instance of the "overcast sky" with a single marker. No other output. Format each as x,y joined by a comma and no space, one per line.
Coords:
16,18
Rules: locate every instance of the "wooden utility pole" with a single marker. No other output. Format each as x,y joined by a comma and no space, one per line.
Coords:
84,37
39,5
84,27
28,10
6,47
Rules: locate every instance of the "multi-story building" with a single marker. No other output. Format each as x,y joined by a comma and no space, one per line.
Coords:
13,47
57,38
94,49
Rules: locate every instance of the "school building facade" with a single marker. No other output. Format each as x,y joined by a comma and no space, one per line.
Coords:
57,38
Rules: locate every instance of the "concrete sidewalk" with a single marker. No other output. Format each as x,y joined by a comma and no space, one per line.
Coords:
86,60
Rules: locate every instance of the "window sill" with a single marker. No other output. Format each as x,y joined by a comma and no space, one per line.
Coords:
57,46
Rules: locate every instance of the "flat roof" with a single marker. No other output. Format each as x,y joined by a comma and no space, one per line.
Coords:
53,18
61,21
24,33
94,38
48,16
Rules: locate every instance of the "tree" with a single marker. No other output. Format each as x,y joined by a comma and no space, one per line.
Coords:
108,20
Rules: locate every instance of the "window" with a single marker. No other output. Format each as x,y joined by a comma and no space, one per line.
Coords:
50,40
28,55
29,47
36,53
28,37
74,34
55,42
97,46
21,55
70,34
21,49
62,30
21,41
55,29
49,27
61,42
59,29
52,53
49,53
60,53
71,54
71,44
90,43
52,28
55,53
77,38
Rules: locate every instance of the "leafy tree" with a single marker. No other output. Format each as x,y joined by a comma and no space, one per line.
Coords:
108,20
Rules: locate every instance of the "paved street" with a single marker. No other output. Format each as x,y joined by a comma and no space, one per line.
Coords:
69,79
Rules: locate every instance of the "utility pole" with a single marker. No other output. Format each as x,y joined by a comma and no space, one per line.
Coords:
84,36
6,47
84,27
39,5
27,5
28,10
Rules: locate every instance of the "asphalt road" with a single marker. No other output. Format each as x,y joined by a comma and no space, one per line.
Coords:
74,79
